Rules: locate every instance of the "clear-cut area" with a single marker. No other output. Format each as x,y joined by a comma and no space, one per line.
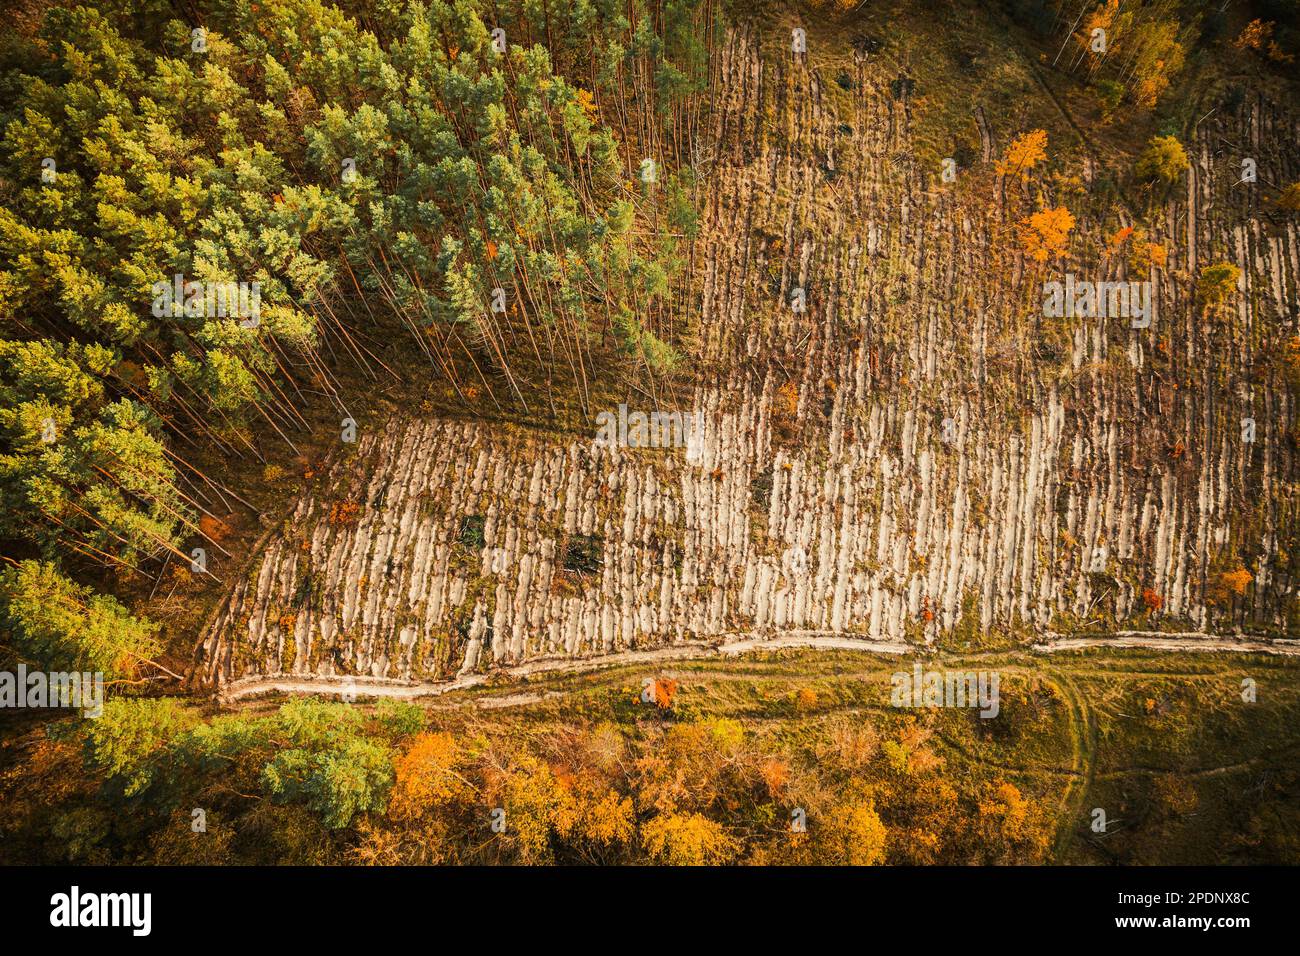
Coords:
918,449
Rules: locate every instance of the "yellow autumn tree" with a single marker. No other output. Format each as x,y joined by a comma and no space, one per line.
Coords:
587,103
856,834
1011,826
1044,235
588,811
687,839
1158,57
1164,159
605,818
1217,283
1146,256
537,809
928,812
1024,153
1290,198
1291,360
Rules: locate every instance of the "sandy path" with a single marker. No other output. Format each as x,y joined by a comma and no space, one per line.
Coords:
409,690
729,646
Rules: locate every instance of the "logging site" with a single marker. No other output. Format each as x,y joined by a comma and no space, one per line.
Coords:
679,432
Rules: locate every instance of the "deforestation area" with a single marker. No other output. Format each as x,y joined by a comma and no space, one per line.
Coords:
669,432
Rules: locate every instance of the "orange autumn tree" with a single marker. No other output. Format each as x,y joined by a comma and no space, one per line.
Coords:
1044,235
1102,18
1254,36
776,774
1143,255
426,777
1146,256
1258,36
1024,153
1236,581
664,690
1223,587
1121,236
1152,599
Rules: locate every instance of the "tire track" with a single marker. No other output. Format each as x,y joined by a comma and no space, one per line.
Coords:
1083,744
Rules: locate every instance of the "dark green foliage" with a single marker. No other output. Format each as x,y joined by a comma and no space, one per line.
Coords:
471,531
584,554
322,755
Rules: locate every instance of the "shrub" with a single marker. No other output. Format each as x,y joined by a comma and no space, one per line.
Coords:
1217,283
1236,581
687,840
1164,160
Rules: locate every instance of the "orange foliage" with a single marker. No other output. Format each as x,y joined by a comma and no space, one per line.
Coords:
1236,581
1292,357
425,776
1254,36
1100,18
213,529
665,689
775,774
788,398
1024,153
1258,36
344,513
1152,599
1044,234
